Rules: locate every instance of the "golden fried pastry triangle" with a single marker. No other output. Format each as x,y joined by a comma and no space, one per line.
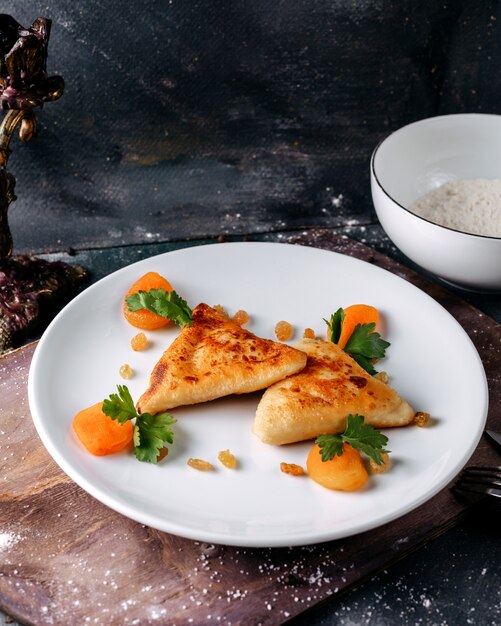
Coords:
318,399
213,358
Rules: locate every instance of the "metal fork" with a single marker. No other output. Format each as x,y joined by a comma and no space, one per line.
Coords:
480,480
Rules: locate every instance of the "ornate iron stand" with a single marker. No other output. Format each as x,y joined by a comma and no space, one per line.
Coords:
27,284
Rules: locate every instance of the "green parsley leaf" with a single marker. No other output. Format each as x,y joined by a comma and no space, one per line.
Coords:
151,433
366,342
167,304
364,345
330,446
359,435
365,438
120,406
335,325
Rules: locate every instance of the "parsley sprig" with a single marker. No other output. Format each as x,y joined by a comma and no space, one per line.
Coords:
151,432
335,325
359,435
364,344
167,304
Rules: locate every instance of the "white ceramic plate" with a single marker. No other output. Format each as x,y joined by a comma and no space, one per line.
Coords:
431,361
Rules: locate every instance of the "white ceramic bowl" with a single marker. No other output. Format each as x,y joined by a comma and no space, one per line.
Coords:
420,157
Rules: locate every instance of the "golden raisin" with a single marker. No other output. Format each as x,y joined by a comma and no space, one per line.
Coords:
162,454
241,317
383,377
126,371
227,459
383,467
309,333
284,331
138,342
292,469
421,418
199,464
221,310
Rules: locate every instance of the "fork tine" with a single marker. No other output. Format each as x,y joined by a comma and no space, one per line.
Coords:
479,488
481,479
482,472
483,468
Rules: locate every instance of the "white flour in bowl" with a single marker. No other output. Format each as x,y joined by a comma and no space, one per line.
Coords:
471,206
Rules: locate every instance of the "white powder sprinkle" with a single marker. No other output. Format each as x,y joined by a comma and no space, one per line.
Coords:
471,206
7,540
337,200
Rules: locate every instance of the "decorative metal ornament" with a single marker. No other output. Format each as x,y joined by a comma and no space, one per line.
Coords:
27,284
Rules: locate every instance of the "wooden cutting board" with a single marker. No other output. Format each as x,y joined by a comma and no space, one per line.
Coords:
67,559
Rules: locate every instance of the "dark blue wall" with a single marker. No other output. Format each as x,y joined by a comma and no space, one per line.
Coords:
188,118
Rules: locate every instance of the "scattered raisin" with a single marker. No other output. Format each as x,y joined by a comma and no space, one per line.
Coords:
309,333
421,418
126,371
383,377
138,342
241,317
292,469
227,459
162,454
221,310
383,467
199,464
284,331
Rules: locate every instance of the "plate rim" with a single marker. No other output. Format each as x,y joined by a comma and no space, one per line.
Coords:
297,539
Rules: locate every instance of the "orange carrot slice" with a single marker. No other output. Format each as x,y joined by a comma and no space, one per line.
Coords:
99,433
344,473
144,319
355,314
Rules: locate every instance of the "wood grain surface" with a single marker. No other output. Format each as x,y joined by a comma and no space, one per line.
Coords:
67,559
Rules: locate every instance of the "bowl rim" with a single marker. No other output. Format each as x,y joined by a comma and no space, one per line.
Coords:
420,217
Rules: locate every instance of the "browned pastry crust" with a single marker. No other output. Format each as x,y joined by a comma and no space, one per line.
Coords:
213,358
318,399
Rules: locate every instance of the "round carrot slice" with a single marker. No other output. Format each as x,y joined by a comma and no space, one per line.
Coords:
144,319
355,314
99,433
344,473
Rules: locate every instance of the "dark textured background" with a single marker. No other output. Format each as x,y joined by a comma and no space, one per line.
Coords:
189,118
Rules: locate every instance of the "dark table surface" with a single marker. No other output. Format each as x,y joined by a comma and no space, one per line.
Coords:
186,121
453,580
